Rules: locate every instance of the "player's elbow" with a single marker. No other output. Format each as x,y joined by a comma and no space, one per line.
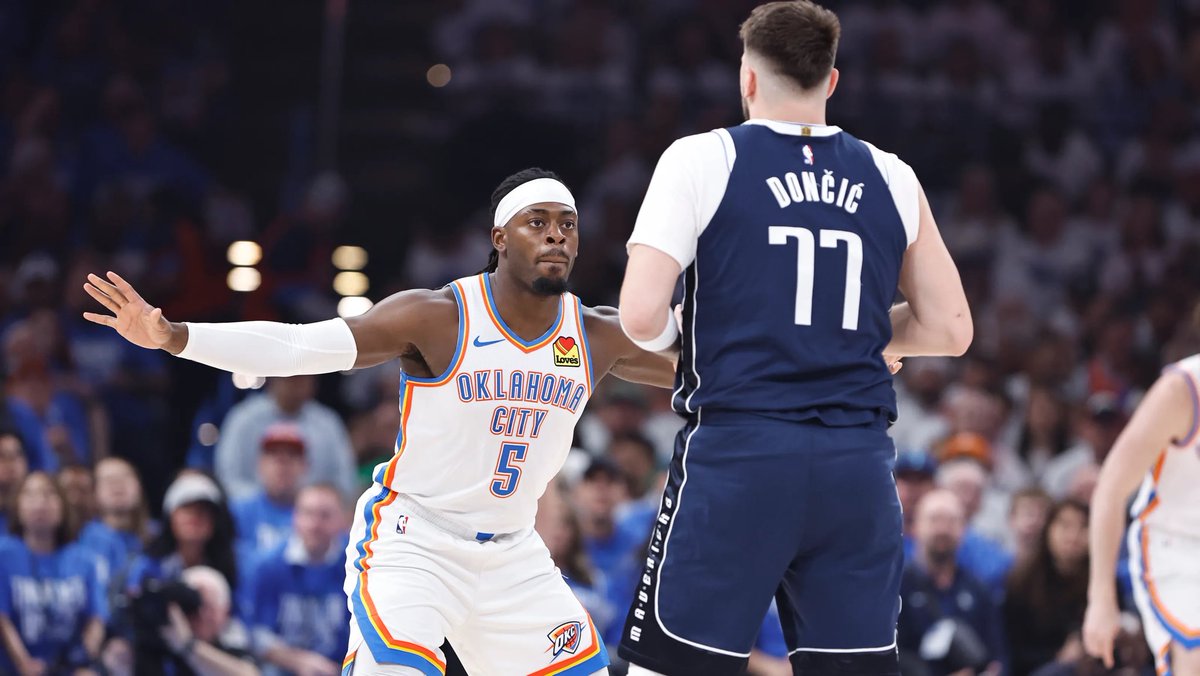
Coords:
960,331
639,319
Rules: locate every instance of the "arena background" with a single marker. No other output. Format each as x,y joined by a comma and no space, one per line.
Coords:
265,160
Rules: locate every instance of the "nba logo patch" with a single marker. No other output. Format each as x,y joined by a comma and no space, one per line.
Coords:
402,524
565,638
566,352
808,156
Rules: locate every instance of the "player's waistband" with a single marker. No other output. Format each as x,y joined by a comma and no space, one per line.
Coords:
445,523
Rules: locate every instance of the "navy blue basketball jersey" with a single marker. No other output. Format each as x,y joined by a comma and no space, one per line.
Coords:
787,297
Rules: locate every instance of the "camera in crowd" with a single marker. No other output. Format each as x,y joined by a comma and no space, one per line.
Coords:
143,614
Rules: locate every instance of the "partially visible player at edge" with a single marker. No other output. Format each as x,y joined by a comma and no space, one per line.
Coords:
794,236
497,369
1160,448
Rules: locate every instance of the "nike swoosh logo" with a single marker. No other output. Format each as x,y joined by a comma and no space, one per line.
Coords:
479,343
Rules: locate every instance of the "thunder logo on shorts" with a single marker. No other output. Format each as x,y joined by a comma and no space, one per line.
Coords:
565,638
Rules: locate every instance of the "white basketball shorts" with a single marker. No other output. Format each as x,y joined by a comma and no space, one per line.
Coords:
1166,587
501,602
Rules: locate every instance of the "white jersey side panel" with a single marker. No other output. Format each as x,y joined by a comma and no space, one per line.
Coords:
1169,499
481,442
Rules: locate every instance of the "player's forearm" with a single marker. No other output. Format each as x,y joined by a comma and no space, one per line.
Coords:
1107,524
946,335
268,349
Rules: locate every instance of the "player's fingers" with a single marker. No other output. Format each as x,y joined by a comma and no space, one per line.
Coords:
101,297
103,320
1106,651
125,287
107,287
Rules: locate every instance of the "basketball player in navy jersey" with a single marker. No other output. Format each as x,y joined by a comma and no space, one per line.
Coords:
497,368
794,237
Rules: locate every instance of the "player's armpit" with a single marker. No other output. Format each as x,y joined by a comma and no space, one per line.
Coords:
403,320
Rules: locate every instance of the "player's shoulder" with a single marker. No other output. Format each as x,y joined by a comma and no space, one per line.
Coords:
893,169
714,147
431,304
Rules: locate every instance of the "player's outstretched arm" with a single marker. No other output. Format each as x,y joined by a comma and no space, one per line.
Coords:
271,349
1165,415
613,352
936,319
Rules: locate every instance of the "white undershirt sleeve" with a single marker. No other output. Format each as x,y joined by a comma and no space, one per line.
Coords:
273,349
906,190
686,190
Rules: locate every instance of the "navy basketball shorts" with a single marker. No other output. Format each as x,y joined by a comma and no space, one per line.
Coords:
755,509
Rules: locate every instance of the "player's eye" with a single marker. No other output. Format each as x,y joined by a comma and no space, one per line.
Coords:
568,225
537,222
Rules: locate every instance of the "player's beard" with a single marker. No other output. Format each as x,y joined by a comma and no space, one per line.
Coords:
550,287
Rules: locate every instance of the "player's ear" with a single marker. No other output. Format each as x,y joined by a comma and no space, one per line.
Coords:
834,76
499,238
749,79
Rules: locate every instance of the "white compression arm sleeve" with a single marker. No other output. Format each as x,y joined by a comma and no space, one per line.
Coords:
272,349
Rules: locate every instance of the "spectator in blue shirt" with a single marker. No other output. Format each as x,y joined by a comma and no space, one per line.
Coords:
596,497
948,620
52,605
300,620
122,525
264,519
13,468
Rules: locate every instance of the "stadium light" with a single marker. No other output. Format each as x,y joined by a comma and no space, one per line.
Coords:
244,253
351,283
243,279
353,306
439,75
349,258
208,434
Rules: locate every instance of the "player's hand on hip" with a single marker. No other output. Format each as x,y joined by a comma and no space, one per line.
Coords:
132,316
1101,623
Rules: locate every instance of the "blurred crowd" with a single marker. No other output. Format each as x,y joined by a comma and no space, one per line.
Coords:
154,508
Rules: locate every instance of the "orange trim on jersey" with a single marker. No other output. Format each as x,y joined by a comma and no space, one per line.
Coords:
578,659
1187,632
1162,664
513,339
585,353
405,409
372,612
349,659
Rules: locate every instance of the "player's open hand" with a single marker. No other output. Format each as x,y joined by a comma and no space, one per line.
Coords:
132,317
1101,623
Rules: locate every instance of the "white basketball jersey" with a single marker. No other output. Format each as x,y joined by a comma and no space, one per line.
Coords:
1169,499
480,442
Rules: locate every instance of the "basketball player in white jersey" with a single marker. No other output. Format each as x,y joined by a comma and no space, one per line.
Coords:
1160,447
497,369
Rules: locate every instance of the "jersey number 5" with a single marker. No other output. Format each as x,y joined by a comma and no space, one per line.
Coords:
805,264
508,473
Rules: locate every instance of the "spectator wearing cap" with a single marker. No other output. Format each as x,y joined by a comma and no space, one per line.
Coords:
13,468
328,449
300,621
198,530
52,603
914,472
1097,428
264,519
948,619
964,472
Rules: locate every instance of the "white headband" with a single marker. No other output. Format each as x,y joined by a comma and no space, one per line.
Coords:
531,192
